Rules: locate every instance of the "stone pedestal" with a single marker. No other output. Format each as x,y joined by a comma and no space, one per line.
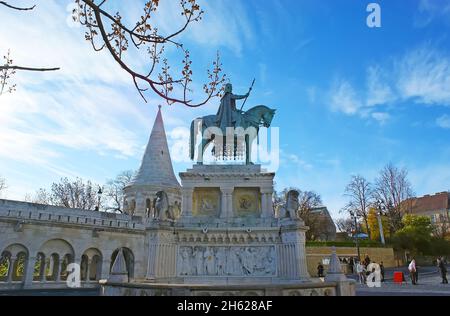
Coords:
227,233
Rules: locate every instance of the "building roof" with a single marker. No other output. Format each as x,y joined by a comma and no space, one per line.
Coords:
156,167
439,201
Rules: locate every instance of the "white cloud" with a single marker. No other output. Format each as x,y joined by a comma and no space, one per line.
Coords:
381,117
443,121
224,24
421,76
343,98
378,92
424,76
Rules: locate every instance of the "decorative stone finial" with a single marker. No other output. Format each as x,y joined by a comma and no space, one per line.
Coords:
119,271
334,269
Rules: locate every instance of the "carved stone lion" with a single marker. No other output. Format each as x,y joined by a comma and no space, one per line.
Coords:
289,209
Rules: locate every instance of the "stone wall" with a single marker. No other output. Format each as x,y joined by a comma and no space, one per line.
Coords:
52,234
314,255
307,289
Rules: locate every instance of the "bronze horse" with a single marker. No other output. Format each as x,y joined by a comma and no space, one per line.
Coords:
254,118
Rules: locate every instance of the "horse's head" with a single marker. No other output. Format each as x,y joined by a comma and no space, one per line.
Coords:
267,117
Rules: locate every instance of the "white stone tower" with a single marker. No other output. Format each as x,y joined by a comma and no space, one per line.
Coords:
155,174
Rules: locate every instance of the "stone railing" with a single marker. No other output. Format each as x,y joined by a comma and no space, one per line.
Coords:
26,212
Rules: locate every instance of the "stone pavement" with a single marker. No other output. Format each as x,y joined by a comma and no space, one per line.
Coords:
429,285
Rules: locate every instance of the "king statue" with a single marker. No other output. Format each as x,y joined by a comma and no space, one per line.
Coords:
227,115
214,127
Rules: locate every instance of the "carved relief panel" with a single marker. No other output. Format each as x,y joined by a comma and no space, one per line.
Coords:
247,202
206,202
226,261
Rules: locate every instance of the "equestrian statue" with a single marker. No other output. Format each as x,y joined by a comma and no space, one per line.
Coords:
232,130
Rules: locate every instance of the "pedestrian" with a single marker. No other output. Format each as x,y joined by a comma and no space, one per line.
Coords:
413,271
361,270
443,270
366,261
382,271
351,263
320,270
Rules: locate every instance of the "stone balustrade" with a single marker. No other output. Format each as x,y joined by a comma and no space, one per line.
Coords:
23,211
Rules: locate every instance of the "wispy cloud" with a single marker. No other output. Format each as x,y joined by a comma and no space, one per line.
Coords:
424,76
421,76
381,117
343,98
430,10
378,92
443,121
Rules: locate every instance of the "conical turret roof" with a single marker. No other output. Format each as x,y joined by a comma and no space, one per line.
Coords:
156,167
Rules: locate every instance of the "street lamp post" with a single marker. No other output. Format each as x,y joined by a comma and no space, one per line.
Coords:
99,195
354,217
380,223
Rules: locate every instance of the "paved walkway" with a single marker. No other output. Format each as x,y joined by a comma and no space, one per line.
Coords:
429,285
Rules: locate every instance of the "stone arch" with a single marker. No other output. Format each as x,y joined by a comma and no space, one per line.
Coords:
5,263
93,260
129,260
52,266
39,267
84,265
14,258
58,255
148,207
66,260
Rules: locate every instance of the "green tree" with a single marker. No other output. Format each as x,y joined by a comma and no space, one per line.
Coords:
372,220
415,234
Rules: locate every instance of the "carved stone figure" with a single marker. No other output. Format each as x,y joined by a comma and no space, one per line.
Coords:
185,261
161,207
289,210
221,259
210,261
198,258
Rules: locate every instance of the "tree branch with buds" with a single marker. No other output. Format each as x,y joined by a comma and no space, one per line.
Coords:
105,30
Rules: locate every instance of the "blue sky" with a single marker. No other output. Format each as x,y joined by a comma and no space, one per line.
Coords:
349,98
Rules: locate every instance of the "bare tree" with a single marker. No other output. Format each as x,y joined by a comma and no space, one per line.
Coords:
70,194
8,69
114,190
393,190
359,192
106,30
2,185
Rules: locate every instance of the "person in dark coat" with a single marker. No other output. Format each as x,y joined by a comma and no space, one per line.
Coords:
320,270
351,264
443,270
382,271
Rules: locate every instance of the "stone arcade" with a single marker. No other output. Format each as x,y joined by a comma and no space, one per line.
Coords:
215,234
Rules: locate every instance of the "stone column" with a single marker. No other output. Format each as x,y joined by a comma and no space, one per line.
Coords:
58,268
42,270
266,203
226,209
88,270
186,202
12,262
29,271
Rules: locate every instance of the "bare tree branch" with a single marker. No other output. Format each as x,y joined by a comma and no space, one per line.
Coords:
27,68
159,77
17,8
359,192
